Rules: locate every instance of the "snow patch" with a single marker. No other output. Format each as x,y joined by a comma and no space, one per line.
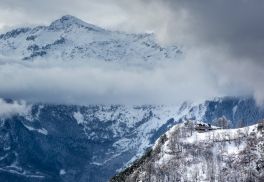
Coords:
79,117
62,172
41,130
234,110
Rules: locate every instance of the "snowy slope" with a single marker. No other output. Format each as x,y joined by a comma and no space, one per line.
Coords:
69,38
185,153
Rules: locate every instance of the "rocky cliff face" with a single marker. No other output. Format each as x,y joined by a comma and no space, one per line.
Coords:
194,151
75,143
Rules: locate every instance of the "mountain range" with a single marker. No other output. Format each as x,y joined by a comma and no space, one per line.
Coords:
47,142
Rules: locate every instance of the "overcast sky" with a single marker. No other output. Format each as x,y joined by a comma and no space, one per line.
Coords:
223,39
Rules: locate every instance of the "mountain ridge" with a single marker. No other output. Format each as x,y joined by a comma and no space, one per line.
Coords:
70,38
196,151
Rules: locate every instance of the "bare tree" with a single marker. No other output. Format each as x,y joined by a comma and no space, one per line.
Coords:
222,122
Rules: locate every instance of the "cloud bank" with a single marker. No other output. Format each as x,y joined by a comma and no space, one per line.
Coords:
98,82
103,83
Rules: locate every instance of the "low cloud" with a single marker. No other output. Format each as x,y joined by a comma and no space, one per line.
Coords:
193,78
12,108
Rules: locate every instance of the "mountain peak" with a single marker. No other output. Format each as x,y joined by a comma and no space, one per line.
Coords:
69,21
66,17
70,38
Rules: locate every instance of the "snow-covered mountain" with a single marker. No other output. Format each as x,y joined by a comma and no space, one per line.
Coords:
49,142
195,151
41,142
69,38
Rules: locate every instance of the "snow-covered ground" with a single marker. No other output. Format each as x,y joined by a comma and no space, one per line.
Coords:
187,154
